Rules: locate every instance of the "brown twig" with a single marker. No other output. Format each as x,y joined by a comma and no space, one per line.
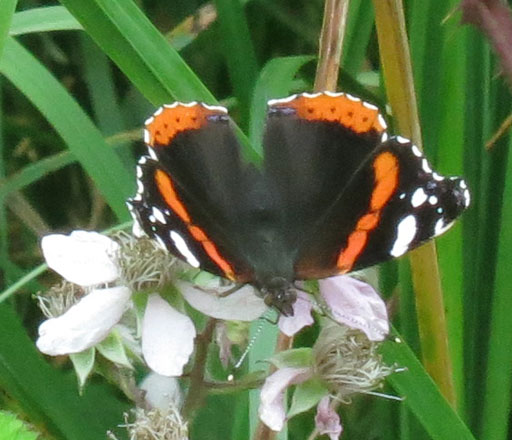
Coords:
197,390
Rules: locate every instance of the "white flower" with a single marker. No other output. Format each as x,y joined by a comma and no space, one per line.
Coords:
91,259
271,409
357,305
327,420
84,258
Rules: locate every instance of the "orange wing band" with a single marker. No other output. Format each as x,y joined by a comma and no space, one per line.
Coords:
166,189
385,168
350,112
168,121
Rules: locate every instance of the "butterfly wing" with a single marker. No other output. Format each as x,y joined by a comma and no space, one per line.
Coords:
361,199
191,188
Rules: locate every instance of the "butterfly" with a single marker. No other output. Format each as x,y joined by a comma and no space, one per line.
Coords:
333,194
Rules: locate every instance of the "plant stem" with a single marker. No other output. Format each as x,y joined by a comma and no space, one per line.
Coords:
396,65
197,390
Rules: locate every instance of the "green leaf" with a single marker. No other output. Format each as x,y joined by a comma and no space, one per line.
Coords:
142,53
236,41
7,8
422,395
83,363
69,120
306,396
48,396
50,18
113,349
295,357
13,429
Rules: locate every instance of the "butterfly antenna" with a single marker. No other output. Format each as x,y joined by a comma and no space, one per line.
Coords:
255,336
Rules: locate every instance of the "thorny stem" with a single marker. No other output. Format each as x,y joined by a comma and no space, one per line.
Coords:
331,43
197,390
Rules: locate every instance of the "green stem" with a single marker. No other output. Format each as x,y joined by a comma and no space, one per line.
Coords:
396,65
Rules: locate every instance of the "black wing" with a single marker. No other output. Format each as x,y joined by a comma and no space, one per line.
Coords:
192,186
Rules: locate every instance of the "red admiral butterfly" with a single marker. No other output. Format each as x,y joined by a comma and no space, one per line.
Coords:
334,193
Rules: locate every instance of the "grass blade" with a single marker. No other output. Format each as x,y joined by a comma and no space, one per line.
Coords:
142,53
422,395
7,8
237,45
69,120
50,18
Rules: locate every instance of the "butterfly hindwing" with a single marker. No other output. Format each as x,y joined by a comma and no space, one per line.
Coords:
396,202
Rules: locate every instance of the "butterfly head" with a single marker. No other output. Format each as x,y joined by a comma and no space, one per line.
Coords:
279,293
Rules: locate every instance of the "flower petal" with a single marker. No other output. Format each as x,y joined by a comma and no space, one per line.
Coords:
85,324
327,420
167,337
301,318
241,305
271,410
84,258
357,305
162,392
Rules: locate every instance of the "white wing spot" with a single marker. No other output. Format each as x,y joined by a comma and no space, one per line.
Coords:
149,120
426,166
406,232
333,94
159,111
370,106
402,196
437,177
467,198
160,242
282,100
463,184
152,218
159,216
352,97
384,136
140,187
433,200
152,154
441,227
143,160
138,171
416,151
311,95
418,198
146,136
218,108
382,122
402,140
183,249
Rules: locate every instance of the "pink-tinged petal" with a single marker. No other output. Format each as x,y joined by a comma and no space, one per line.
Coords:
301,318
241,305
357,305
85,324
162,392
167,337
84,258
327,420
272,411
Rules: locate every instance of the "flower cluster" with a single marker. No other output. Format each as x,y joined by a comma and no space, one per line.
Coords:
121,286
